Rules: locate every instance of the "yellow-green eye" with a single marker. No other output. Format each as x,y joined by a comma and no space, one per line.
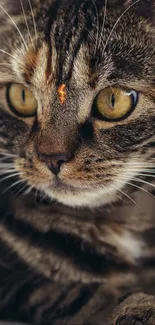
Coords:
114,103
21,100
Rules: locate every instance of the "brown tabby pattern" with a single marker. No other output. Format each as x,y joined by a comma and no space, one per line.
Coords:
77,206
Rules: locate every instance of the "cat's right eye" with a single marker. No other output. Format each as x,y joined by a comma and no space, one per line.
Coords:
21,100
115,103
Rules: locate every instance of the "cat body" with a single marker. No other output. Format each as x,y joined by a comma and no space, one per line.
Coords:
77,156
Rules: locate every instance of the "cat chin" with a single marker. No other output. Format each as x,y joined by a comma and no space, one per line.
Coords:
89,199
82,197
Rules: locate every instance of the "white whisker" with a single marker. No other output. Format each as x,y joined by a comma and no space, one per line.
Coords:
118,20
36,193
147,171
30,188
15,26
6,164
140,164
5,159
138,180
97,27
26,22
10,176
140,188
126,196
7,153
102,29
6,64
146,175
33,18
4,170
17,194
13,57
12,185
143,171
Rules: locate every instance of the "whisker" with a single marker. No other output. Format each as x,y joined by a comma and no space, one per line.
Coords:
5,159
43,197
17,194
142,168
97,27
152,170
102,29
13,57
4,152
15,26
140,180
126,196
140,164
36,193
30,188
6,164
33,18
118,20
26,22
148,169
143,171
6,64
10,176
136,157
12,185
146,175
4,170
140,188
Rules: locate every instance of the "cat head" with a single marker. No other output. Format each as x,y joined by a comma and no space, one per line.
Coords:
77,95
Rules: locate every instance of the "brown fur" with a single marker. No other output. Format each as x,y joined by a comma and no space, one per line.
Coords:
106,168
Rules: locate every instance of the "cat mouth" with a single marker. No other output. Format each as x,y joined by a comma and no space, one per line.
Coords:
59,185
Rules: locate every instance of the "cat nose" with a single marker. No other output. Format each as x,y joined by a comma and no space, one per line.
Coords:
54,161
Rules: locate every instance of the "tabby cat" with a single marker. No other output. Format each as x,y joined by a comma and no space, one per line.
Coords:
77,139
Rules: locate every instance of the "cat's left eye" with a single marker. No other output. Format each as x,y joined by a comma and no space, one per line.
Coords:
114,103
21,100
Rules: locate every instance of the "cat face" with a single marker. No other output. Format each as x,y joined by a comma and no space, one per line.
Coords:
77,95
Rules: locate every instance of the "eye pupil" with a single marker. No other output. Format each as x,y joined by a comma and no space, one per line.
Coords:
113,101
23,96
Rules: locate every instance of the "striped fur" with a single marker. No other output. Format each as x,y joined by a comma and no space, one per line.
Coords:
60,264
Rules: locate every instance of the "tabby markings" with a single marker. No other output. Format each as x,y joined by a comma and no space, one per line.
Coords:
62,93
